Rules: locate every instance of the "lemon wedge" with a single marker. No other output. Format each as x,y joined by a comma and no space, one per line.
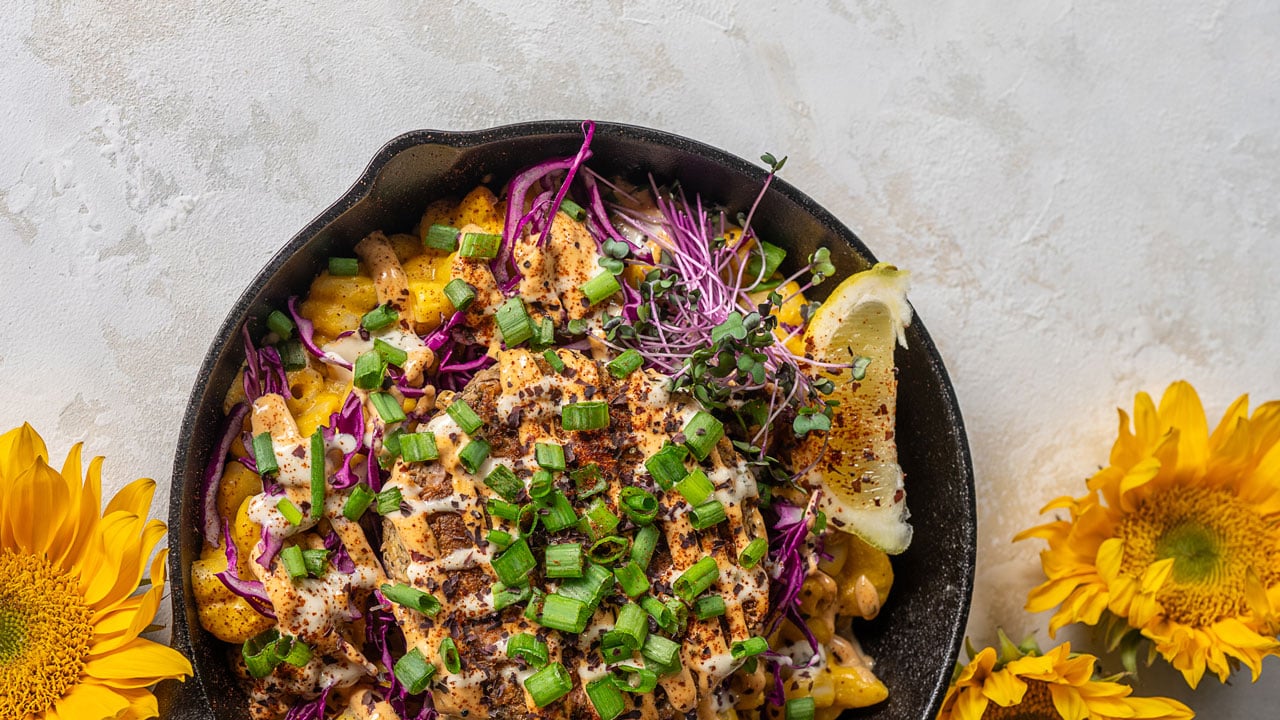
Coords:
861,482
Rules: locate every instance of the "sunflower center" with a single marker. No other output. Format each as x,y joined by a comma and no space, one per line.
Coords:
1218,545
1037,704
45,634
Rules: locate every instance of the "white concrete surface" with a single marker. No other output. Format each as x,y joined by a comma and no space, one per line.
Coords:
1086,192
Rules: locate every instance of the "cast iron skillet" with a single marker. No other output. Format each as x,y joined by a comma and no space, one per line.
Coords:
917,636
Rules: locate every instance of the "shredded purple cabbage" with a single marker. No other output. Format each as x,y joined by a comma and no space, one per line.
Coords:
252,591
214,469
338,554
271,545
311,709
307,332
349,420
379,623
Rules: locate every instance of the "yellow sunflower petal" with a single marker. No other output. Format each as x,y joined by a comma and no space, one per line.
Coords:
1004,688
90,701
138,664
1068,703
19,449
1180,409
970,705
135,498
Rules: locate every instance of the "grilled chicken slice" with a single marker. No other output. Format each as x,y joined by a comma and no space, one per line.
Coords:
437,542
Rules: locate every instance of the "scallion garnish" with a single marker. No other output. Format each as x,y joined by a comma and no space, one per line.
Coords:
280,324
548,684
598,520
533,610
662,650
379,317
639,504
466,418
513,565
642,547
600,287
632,625
549,456
503,481
696,487
260,653
634,679
573,210
414,672
289,511
625,364
606,698
661,614
460,293
343,267
564,560
631,579
526,647
502,509
389,500
701,434
449,653
588,480
667,465
293,651
500,539
557,512
441,237
316,561
707,514
748,648
697,579
608,549
541,484
473,455
568,614
388,407
587,415
504,597
591,588
291,557
544,333
709,606
753,553
801,708
513,322
412,598
264,452
390,353
553,360
317,474
480,246
358,501
419,447
369,370
613,647
292,355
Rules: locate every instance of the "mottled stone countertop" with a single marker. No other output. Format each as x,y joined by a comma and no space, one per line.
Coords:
1086,193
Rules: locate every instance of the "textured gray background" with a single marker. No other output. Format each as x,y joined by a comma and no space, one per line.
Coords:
1085,192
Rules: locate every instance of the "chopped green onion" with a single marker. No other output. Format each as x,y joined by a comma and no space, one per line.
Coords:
293,651
449,653
541,484
695,581
513,322
661,614
316,561
608,549
503,481
773,257
681,612
564,560
573,210
460,293
632,625
748,648
500,538
643,546
502,509
412,598
317,474
343,267
819,523
392,354
708,607
358,501
707,514
514,564
632,579
701,434
661,650
696,487
553,360
548,684
606,698
588,480
801,708
753,553
466,418
389,500
557,512
260,653
504,597
441,237
591,588
544,333
289,511
379,317
368,372
528,648
473,454
625,364
419,447
549,456
613,647
667,465
482,246
280,324
598,521
391,444
534,608
588,415
639,504
634,679
292,356
577,326
561,612
527,519
264,453
388,407
291,556
414,672
600,287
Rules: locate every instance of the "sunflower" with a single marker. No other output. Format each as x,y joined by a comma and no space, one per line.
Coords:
1023,684
71,608
1177,542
